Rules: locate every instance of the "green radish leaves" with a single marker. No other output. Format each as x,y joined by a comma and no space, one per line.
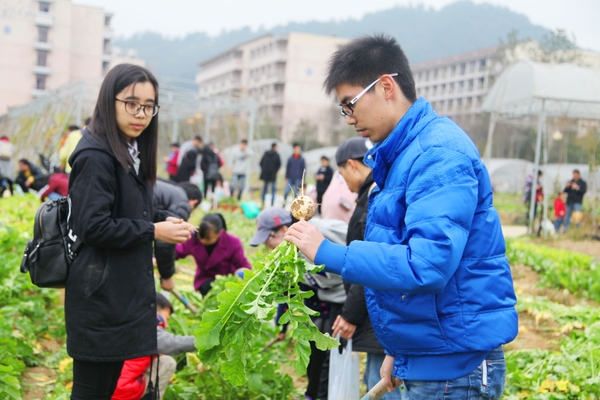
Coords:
227,332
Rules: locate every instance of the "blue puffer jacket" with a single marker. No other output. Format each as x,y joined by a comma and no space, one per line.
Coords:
437,283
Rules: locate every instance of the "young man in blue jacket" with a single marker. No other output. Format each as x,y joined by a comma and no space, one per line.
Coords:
438,286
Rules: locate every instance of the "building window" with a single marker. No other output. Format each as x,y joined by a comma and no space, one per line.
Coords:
479,101
461,86
453,70
40,82
425,92
480,83
105,65
469,102
43,34
463,68
482,65
450,105
106,46
443,89
434,90
471,85
472,66
451,88
107,19
418,77
42,58
459,104
44,7
441,106
427,75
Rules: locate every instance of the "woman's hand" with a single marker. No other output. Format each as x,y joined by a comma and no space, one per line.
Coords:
171,232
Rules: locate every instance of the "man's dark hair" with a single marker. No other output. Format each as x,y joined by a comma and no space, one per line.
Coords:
73,128
273,145
87,121
104,119
325,158
191,191
540,173
297,145
363,60
175,144
25,161
244,141
198,138
576,170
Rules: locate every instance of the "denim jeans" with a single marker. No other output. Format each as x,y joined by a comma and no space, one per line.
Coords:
372,375
570,208
486,382
558,223
273,191
295,184
238,180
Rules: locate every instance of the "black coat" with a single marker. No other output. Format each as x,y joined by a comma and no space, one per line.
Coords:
355,308
270,163
173,200
110,298
323,184
576,196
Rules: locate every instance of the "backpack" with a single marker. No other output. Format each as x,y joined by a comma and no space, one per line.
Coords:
6,150
49,255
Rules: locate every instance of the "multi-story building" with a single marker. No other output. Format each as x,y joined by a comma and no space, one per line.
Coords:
284,73
47,43
457,85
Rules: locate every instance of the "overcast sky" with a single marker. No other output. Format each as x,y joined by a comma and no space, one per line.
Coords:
179,17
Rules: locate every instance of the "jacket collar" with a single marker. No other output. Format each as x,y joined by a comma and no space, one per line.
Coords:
382,156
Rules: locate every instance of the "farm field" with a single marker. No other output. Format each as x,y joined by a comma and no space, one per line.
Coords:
555,356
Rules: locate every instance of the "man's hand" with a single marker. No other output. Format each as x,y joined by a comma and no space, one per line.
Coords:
386,372
343,327
167,284
170,232
306,237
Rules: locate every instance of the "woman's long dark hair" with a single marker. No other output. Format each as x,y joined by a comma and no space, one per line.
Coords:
211,223
104,120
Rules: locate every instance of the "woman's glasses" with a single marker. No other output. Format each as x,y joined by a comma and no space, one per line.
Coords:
134,107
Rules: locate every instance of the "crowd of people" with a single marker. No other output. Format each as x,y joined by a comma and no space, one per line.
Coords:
568,204
420,285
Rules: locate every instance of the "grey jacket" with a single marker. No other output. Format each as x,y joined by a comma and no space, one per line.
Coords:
241,161
329,287
173,344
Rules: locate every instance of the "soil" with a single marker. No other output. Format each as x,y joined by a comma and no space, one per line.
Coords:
542,335
591,247
34,380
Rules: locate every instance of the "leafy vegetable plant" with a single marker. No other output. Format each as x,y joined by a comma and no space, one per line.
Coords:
227,333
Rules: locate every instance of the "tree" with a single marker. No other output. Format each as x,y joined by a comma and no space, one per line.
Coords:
306,134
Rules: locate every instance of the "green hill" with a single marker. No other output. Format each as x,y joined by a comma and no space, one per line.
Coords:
423,33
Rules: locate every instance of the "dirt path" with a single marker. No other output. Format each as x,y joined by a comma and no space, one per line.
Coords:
543,334
591,247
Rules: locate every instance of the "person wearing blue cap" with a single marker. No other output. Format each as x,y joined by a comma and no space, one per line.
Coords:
438,285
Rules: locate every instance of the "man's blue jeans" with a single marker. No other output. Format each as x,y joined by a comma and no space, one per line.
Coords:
486,382
273,191
295,184
238,182
570,208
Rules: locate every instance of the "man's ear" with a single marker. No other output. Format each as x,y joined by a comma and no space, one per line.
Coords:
389,86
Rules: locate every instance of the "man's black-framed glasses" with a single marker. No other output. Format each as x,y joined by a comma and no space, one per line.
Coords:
134,107
347,109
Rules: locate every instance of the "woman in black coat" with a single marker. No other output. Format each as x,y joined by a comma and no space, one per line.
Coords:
110,295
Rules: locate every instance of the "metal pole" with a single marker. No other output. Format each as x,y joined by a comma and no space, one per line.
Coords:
207,129
536,167
488,145
250,141
78,117
545,149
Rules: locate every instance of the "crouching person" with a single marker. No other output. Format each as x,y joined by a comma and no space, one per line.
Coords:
139,375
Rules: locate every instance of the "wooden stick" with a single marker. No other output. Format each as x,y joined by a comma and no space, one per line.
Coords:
379,389
185,302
